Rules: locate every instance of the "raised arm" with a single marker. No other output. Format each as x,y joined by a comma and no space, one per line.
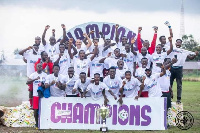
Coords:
153,43
43,35
64,34
116,33
53,32
24,50
57,61
95,51
171,46
139,41
70,48
132,48
89,40
102,60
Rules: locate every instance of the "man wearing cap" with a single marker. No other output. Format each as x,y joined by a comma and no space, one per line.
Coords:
151,82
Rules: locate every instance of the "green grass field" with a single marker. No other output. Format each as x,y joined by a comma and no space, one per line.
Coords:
190,100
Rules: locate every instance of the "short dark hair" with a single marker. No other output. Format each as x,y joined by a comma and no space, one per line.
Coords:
81,51
70,67
97,74
144,58
112,67
35,45
61,44
127,72
43,52
179,40
55,65
161,37
83,73
117,49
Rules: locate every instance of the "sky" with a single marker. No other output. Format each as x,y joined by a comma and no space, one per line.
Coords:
23,20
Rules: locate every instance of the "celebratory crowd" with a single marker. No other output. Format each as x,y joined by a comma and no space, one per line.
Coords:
59,68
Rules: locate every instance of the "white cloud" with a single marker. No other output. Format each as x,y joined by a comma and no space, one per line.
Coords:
19,26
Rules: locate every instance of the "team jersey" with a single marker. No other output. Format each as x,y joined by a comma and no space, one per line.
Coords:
70,82
140,56
158,58
52,50
164,81
96,67
81,65
129,61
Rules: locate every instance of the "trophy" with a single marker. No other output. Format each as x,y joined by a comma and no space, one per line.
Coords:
168,24
104,113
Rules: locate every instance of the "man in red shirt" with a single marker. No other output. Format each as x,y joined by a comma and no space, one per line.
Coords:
146,42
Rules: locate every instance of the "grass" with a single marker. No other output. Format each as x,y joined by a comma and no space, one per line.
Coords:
190,100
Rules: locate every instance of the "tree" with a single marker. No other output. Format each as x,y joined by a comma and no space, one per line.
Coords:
190,44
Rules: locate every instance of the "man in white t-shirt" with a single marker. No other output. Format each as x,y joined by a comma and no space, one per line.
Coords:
151,82
130,87
81,84
70,80
97,89
120,71
62,59
52,47
31,57
37,78
56,83
158,57
140,73
113,82
81,64
177,68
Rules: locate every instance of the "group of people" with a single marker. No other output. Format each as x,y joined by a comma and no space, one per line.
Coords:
59,68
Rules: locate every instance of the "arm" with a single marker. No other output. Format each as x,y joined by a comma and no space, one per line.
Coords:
105,98
134,68
191,57
64,34
30,81
132,50
43,35
85,39
139,42
24,50
116,33
112,94
102,60
108,46
57,61
171,46
69,48
153,43
95,52
174,60
89,41
141,88
61,86
121,93
163,71
53,32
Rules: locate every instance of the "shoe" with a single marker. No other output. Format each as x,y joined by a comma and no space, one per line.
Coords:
178,102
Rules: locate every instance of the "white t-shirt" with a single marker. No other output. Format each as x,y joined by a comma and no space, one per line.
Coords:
96,90
83,47
106,52
113,84
164,81
121,47
64,63
112,62
152,85
100,47
129,60
121,73
140,72
54,90
34,75
82,86
31,59
131,87
52,50
81,65
158,58
70,82
96,67
140,56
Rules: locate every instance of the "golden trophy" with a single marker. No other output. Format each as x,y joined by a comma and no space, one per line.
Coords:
104,113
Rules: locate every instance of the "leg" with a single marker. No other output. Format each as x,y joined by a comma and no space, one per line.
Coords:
179,83
36,117
31,98
172,77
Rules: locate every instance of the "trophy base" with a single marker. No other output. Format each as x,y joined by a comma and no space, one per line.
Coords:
104,129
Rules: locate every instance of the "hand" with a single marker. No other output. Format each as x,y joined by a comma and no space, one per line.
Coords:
47,27
162,66
53,82
197,53
71,40
85,35
106,101
53,30
82,95
174,60
117,26
37,78
95,43
30,47
63,26
113,44
92,31
143,78
156,29
61,54
123,83
139,29
120,101
100,33
73,91
115,97
170,39
132,40
109,54
136,98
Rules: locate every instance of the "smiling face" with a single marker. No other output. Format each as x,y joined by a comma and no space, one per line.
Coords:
148,73
71,72
163,40
56,69
143,51
158,49
39,67
117,52
128,75
82,54
178,43
127,48
44,56
52,40
124,40
120,64
82,77
62,48
112,73
146,44
78,43
96,78
144,62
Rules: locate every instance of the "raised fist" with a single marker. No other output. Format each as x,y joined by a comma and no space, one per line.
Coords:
63,26
71,40
85,34
139,28
92,31
170,39
53,30
47,27
117,26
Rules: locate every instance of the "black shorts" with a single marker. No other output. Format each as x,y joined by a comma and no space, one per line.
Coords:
168,96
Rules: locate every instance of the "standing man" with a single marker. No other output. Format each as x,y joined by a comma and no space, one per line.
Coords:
177,68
